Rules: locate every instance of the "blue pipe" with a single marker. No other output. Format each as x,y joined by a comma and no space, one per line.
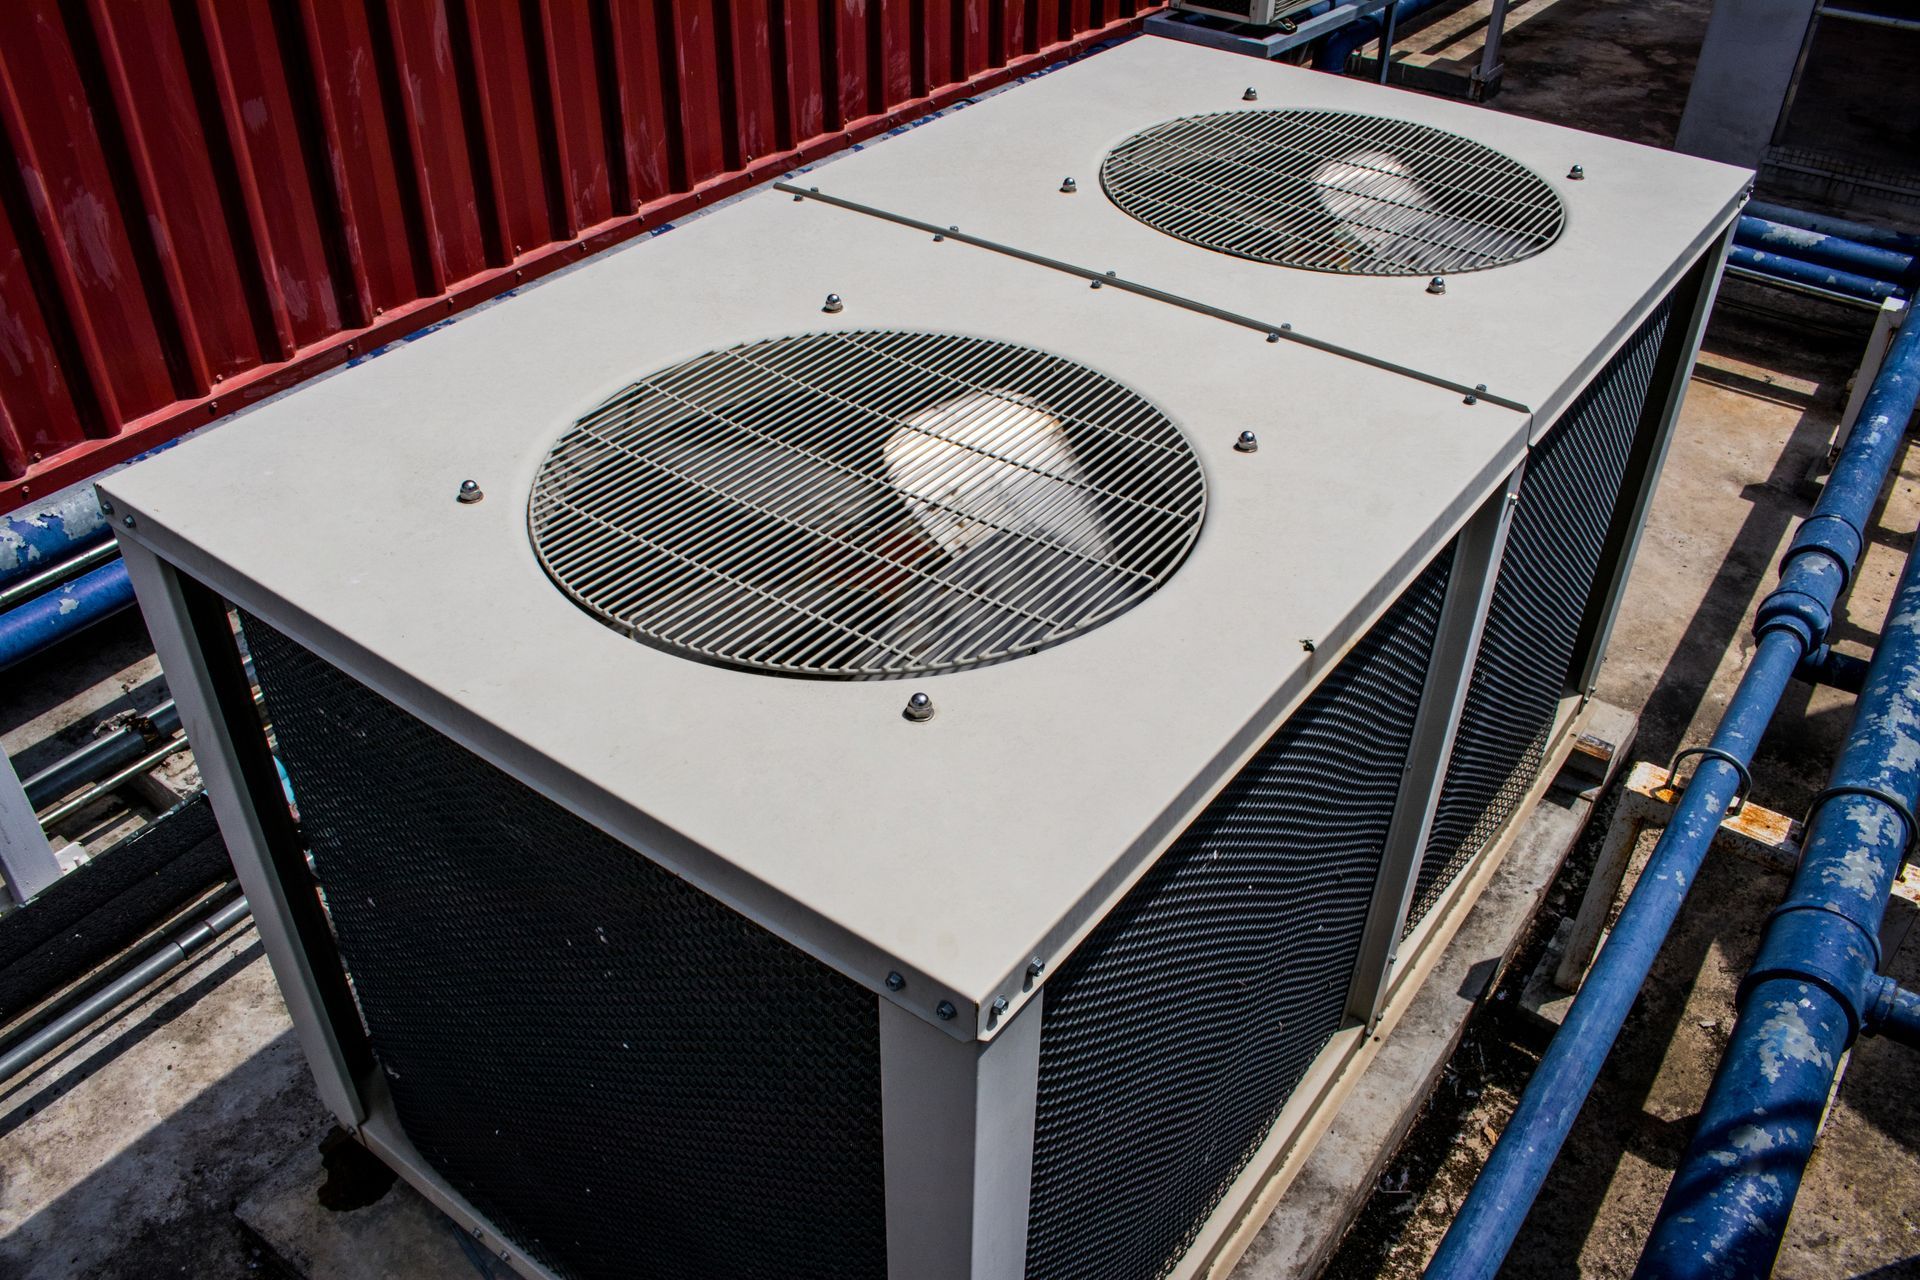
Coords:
1893,1011
1822,249
1793,621
39,536
1858,232
1808,994
1830,278
1339,46
68,608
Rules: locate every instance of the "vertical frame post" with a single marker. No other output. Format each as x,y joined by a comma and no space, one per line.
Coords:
191,633
1476,566
1665,393
958,1123
26,859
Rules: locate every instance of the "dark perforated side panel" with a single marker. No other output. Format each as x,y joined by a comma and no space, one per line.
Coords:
1573,481
1173,1035
627,1077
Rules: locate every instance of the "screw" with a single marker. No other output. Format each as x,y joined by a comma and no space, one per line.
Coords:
106,505
937,237
1286,328
1288,26
919,708
1247,443
1274,336
127,519
470,491
1437,285
1307,644
1576,173
895,981
998,1008
1094,285
1251,95
1068,186
1035,967
1472,397
833,304
1513,499
945,1010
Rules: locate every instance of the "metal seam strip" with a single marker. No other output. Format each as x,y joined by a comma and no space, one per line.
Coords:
1285,332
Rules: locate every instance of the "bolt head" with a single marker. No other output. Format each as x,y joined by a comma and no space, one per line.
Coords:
1068,186
106,506
1251,95
895,982
945,1011
919,708
470,491
1247,443
1307,645
833,304
127,519
1274,336
1437,285
997,1010
1576,173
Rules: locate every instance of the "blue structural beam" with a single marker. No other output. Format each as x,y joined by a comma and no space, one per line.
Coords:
1793,622
1812,988
71,607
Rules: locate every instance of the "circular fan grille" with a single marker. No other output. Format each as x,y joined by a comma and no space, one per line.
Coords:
1333,191
862,505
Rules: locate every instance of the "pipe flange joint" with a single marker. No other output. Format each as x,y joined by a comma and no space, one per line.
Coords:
1808,942
1831,534
1808,617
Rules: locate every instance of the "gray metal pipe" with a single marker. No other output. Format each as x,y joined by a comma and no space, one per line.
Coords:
177,951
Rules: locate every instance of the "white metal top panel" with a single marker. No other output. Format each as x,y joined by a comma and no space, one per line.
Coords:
950,851
1532,330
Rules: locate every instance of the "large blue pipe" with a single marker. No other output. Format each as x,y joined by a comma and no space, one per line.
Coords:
1832,279
1822,249
68,608
1811,989
1793,621
39,536
1858,232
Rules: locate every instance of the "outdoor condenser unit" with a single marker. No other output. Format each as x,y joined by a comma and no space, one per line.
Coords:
909,727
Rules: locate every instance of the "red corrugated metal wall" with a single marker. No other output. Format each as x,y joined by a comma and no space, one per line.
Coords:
202,201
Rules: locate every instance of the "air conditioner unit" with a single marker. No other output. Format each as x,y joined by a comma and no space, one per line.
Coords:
953,699
1260,13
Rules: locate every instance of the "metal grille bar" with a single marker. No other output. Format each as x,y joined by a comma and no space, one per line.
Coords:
1333,191
866,504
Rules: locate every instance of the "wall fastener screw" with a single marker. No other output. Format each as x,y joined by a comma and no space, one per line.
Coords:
1068,186
1308,645
1251,95
945,1011
919,708
1473,397
1035,967
106,505
1437,285
1273,336
833,304
127,519
470,491
1576,173
997,1010
895,981
1247,443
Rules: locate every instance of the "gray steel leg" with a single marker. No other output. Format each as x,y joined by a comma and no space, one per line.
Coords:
1476,563
959,1146
26,859
189,627
1740,83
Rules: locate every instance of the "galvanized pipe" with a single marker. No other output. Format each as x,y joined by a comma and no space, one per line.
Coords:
1811,988
177,951
1793,621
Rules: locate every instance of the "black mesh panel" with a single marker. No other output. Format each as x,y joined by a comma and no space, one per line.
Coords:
627,1077
1173,1035
1553,557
